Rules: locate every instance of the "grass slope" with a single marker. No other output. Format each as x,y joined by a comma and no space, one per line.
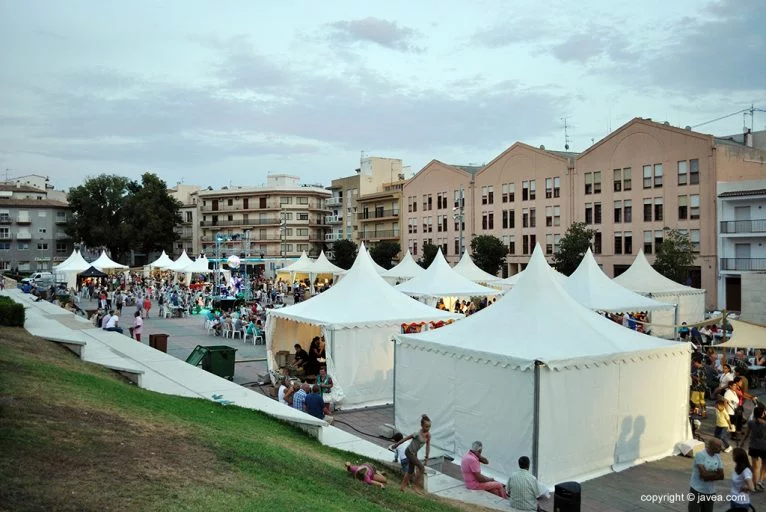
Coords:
74,436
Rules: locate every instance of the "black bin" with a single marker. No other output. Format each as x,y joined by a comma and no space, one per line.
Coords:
566,497
159,342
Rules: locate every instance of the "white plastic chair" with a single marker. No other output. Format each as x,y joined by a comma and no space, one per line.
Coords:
225,329
234,333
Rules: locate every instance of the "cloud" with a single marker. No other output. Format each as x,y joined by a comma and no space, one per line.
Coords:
591,44
387,34
517,30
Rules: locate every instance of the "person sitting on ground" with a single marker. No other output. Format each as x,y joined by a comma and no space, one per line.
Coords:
470,466
299,398
366,473
285,391
105,319
523,488
113,324
314,405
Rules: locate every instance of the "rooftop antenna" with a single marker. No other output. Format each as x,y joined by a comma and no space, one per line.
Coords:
566,133
749,112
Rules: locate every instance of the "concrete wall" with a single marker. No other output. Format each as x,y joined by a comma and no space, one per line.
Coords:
754,298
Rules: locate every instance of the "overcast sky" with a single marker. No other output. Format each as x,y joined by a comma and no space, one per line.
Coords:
213,93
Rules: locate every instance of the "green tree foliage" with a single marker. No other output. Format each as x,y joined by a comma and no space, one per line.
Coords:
675,256
383,252
124,215
488,253
574,244
429,253
344,253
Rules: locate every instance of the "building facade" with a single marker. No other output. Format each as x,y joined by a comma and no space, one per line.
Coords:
188,231
32,236
281,219
379,216
342,221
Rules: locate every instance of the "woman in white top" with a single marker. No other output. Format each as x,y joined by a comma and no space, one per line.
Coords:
726,376
741,481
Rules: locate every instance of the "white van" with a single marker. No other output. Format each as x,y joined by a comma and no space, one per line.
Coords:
38,277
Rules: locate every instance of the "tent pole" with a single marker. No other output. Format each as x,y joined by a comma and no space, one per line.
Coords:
675,321
536,422
393,340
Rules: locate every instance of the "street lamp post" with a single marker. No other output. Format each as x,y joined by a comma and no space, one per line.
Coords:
282,235
458,214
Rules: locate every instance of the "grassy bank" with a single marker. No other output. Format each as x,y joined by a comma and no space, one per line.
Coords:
74,436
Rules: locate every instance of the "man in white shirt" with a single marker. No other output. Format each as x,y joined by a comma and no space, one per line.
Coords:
105,319
707,468
113,323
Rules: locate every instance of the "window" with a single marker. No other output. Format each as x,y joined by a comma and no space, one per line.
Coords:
41,213
694,172
23,246
487,220
491,194
285,200
627,211
548,188
509,221
439,221
410,228
288,215
627,183
532,190
617,179
597,243
549,244
694,238
229,202
427,202
304,200
415,248
588,213
484,195
532,219
509,190
556,186
683,208
657,208
658,235
42,246
61,248
441,200
597,182
303,216
430,224
647,210
694,206
457,245
658,175
444,223
288,231
512,244
42,230
189,217
302,231
588,183
618,243
524,190
302,247
647,242
683,175
458,226
286,248
548,216
458,199
647,176
525,244
556,242
525,218
230,218
597,213
627,242
556,215
5,246
618,212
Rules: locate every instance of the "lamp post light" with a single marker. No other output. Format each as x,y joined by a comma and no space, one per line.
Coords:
282,235
458,213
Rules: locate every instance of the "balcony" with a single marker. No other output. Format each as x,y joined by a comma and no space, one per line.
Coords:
377,214
62,236
24,235
6,219
59,220
729,227
332,219
23,220
334,201
239,222
332,237
381,235
743,264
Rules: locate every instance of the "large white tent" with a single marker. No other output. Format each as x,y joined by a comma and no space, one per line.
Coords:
67,270
303,265
510,281
357,317
162,262
468,269
537,374
323,266
199,266
103,262
642,278
405,269
180,264
439,280
589,286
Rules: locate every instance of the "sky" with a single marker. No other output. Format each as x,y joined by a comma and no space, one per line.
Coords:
222,93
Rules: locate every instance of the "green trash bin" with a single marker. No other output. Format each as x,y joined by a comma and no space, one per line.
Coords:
216,359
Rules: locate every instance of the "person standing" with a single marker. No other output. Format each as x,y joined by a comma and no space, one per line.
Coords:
147,305
138,326
756,431
470,466
419,438
706,470
741,481
723,424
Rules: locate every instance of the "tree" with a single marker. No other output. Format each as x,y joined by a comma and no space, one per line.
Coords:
429,253
675,256
98,216
573,246
153,215
383,252
488,253
344,253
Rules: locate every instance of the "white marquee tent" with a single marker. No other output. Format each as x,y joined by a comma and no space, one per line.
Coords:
468,269
357,317
162,262
405,269
303,265
68,269
199,266
510,281
103,263
537,374
589,286
440,280
643,279
323,266
180,264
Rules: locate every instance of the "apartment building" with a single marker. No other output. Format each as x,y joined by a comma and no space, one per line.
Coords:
281,219
342,222
188,231
39,183
32,236
379,216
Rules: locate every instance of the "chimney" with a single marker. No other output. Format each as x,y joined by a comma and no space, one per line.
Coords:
748,138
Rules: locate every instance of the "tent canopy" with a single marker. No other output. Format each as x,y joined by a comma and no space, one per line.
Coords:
162,262
181,263
198,266
642,278
405,269
323,266
589,286
468,269
74,263
537,320
103,262
302,266
92,272
380,270
510,281
439,280
361,298
746,335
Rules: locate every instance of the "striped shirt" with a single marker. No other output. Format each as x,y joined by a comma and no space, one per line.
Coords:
523,490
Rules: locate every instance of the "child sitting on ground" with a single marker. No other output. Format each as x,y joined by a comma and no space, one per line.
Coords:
366,472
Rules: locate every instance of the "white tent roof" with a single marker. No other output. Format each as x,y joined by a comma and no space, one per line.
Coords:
511,281
74,263
103,262
161,262
642,278
537,320
303,265
589,286
468,269
323,266
181,263
406,269
362,298
380,270
199,266
439,280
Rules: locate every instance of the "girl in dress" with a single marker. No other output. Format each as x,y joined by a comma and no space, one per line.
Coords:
419,438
